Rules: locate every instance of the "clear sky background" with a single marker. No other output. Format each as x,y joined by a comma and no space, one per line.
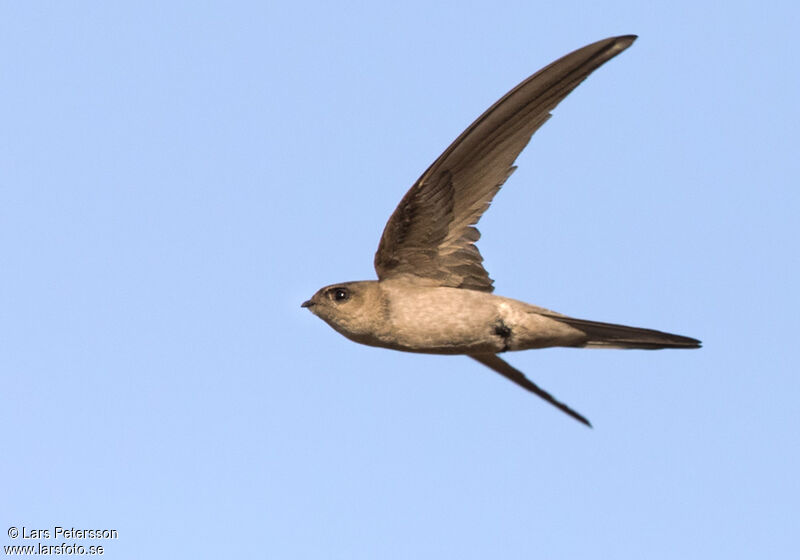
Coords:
177,177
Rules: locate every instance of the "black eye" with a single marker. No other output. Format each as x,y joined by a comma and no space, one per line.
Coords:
340,294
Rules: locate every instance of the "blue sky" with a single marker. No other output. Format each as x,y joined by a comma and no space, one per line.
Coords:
176,178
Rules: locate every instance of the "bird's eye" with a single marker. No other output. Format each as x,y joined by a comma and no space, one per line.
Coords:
339,294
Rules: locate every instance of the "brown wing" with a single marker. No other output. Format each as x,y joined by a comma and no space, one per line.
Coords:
431,235
505,369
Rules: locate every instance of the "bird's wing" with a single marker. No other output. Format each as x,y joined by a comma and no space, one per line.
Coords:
431,235
505,369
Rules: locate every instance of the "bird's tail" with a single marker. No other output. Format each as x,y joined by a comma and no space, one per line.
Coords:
608,335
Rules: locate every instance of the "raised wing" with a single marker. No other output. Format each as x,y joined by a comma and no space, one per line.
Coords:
430,235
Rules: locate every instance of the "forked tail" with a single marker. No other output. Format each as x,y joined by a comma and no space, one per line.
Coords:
609,335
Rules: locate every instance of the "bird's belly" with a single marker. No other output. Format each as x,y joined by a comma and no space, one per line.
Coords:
452,341
443,321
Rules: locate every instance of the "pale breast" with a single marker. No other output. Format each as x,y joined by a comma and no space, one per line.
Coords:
444,320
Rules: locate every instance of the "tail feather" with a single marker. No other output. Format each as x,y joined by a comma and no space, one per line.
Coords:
609,335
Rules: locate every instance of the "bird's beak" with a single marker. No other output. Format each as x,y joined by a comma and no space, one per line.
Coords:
307,303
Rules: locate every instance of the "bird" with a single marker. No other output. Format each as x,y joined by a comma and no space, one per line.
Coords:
433,295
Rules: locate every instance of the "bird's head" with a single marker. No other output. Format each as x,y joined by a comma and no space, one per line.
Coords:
349,307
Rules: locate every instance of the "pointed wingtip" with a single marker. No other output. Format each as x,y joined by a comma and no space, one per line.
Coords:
496,363
574,414
619,44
